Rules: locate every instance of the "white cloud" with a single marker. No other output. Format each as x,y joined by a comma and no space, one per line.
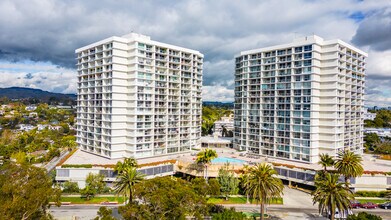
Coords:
49,31
46,77
217,93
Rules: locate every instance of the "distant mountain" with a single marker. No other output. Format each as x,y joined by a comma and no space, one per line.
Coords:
228,105
29,93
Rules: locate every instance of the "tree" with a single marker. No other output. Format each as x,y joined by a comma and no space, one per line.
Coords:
214,187
224,131
244,178
126,180
325,161
200,186
204,158
263,185
370,141
228,182
349,164
364,216
165,198
69,142
95,182
128,162
104,213
25,192
230,214
88,192
70,187
331,195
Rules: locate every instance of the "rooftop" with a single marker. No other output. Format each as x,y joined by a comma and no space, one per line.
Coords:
370,163
215,139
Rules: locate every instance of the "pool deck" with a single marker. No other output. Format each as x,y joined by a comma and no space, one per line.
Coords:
81,157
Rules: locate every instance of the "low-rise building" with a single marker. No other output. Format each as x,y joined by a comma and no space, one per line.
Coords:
33,115
216,142
31,108
369,115
381,132
26,127
40,127
225,122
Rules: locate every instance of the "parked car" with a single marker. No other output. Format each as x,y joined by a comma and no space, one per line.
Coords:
355,204
369,205
386,205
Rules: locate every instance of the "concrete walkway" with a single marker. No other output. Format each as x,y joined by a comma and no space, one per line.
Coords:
297,199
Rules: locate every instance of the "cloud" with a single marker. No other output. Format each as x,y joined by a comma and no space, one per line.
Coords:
47,32
28,76
219,93
52,79
375,30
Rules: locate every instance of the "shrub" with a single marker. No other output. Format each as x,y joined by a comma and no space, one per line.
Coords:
371,193
70,187
364,216
229,214
76,166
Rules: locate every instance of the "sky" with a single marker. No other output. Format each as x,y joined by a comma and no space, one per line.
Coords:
38,37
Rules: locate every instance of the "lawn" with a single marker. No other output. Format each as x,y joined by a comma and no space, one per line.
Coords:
378,201
238,200
95,200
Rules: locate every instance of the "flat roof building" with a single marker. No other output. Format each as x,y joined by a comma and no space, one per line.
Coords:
138,97
298,100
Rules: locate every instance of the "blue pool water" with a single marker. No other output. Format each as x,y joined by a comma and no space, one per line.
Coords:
227,160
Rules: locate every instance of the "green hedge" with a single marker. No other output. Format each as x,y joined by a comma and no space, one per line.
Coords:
371,193
76,166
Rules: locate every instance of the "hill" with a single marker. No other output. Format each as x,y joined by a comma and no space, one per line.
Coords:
29,93
228,105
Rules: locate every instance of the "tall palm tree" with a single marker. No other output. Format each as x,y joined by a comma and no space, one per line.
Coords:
326,161
263,185
331,195
126,180
349,164
128,162
205,157
244,178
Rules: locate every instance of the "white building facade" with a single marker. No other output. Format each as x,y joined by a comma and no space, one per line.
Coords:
298,100
369,115
138,97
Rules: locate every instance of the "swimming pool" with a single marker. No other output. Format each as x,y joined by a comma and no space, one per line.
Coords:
227,160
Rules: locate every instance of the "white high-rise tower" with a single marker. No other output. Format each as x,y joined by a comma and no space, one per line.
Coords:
138,97
298,100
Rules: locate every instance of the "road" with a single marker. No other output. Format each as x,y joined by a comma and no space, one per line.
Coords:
297,205
80,212
84,212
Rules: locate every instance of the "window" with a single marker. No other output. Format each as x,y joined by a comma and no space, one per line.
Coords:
307,55
307,62
298,49
308,48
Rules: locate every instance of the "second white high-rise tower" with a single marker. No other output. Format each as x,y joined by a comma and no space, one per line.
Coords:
298,100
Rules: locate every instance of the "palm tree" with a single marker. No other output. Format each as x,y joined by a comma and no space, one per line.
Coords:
263,185
349,164
244,178
205,157
128,162
326,161
331,195
126,180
